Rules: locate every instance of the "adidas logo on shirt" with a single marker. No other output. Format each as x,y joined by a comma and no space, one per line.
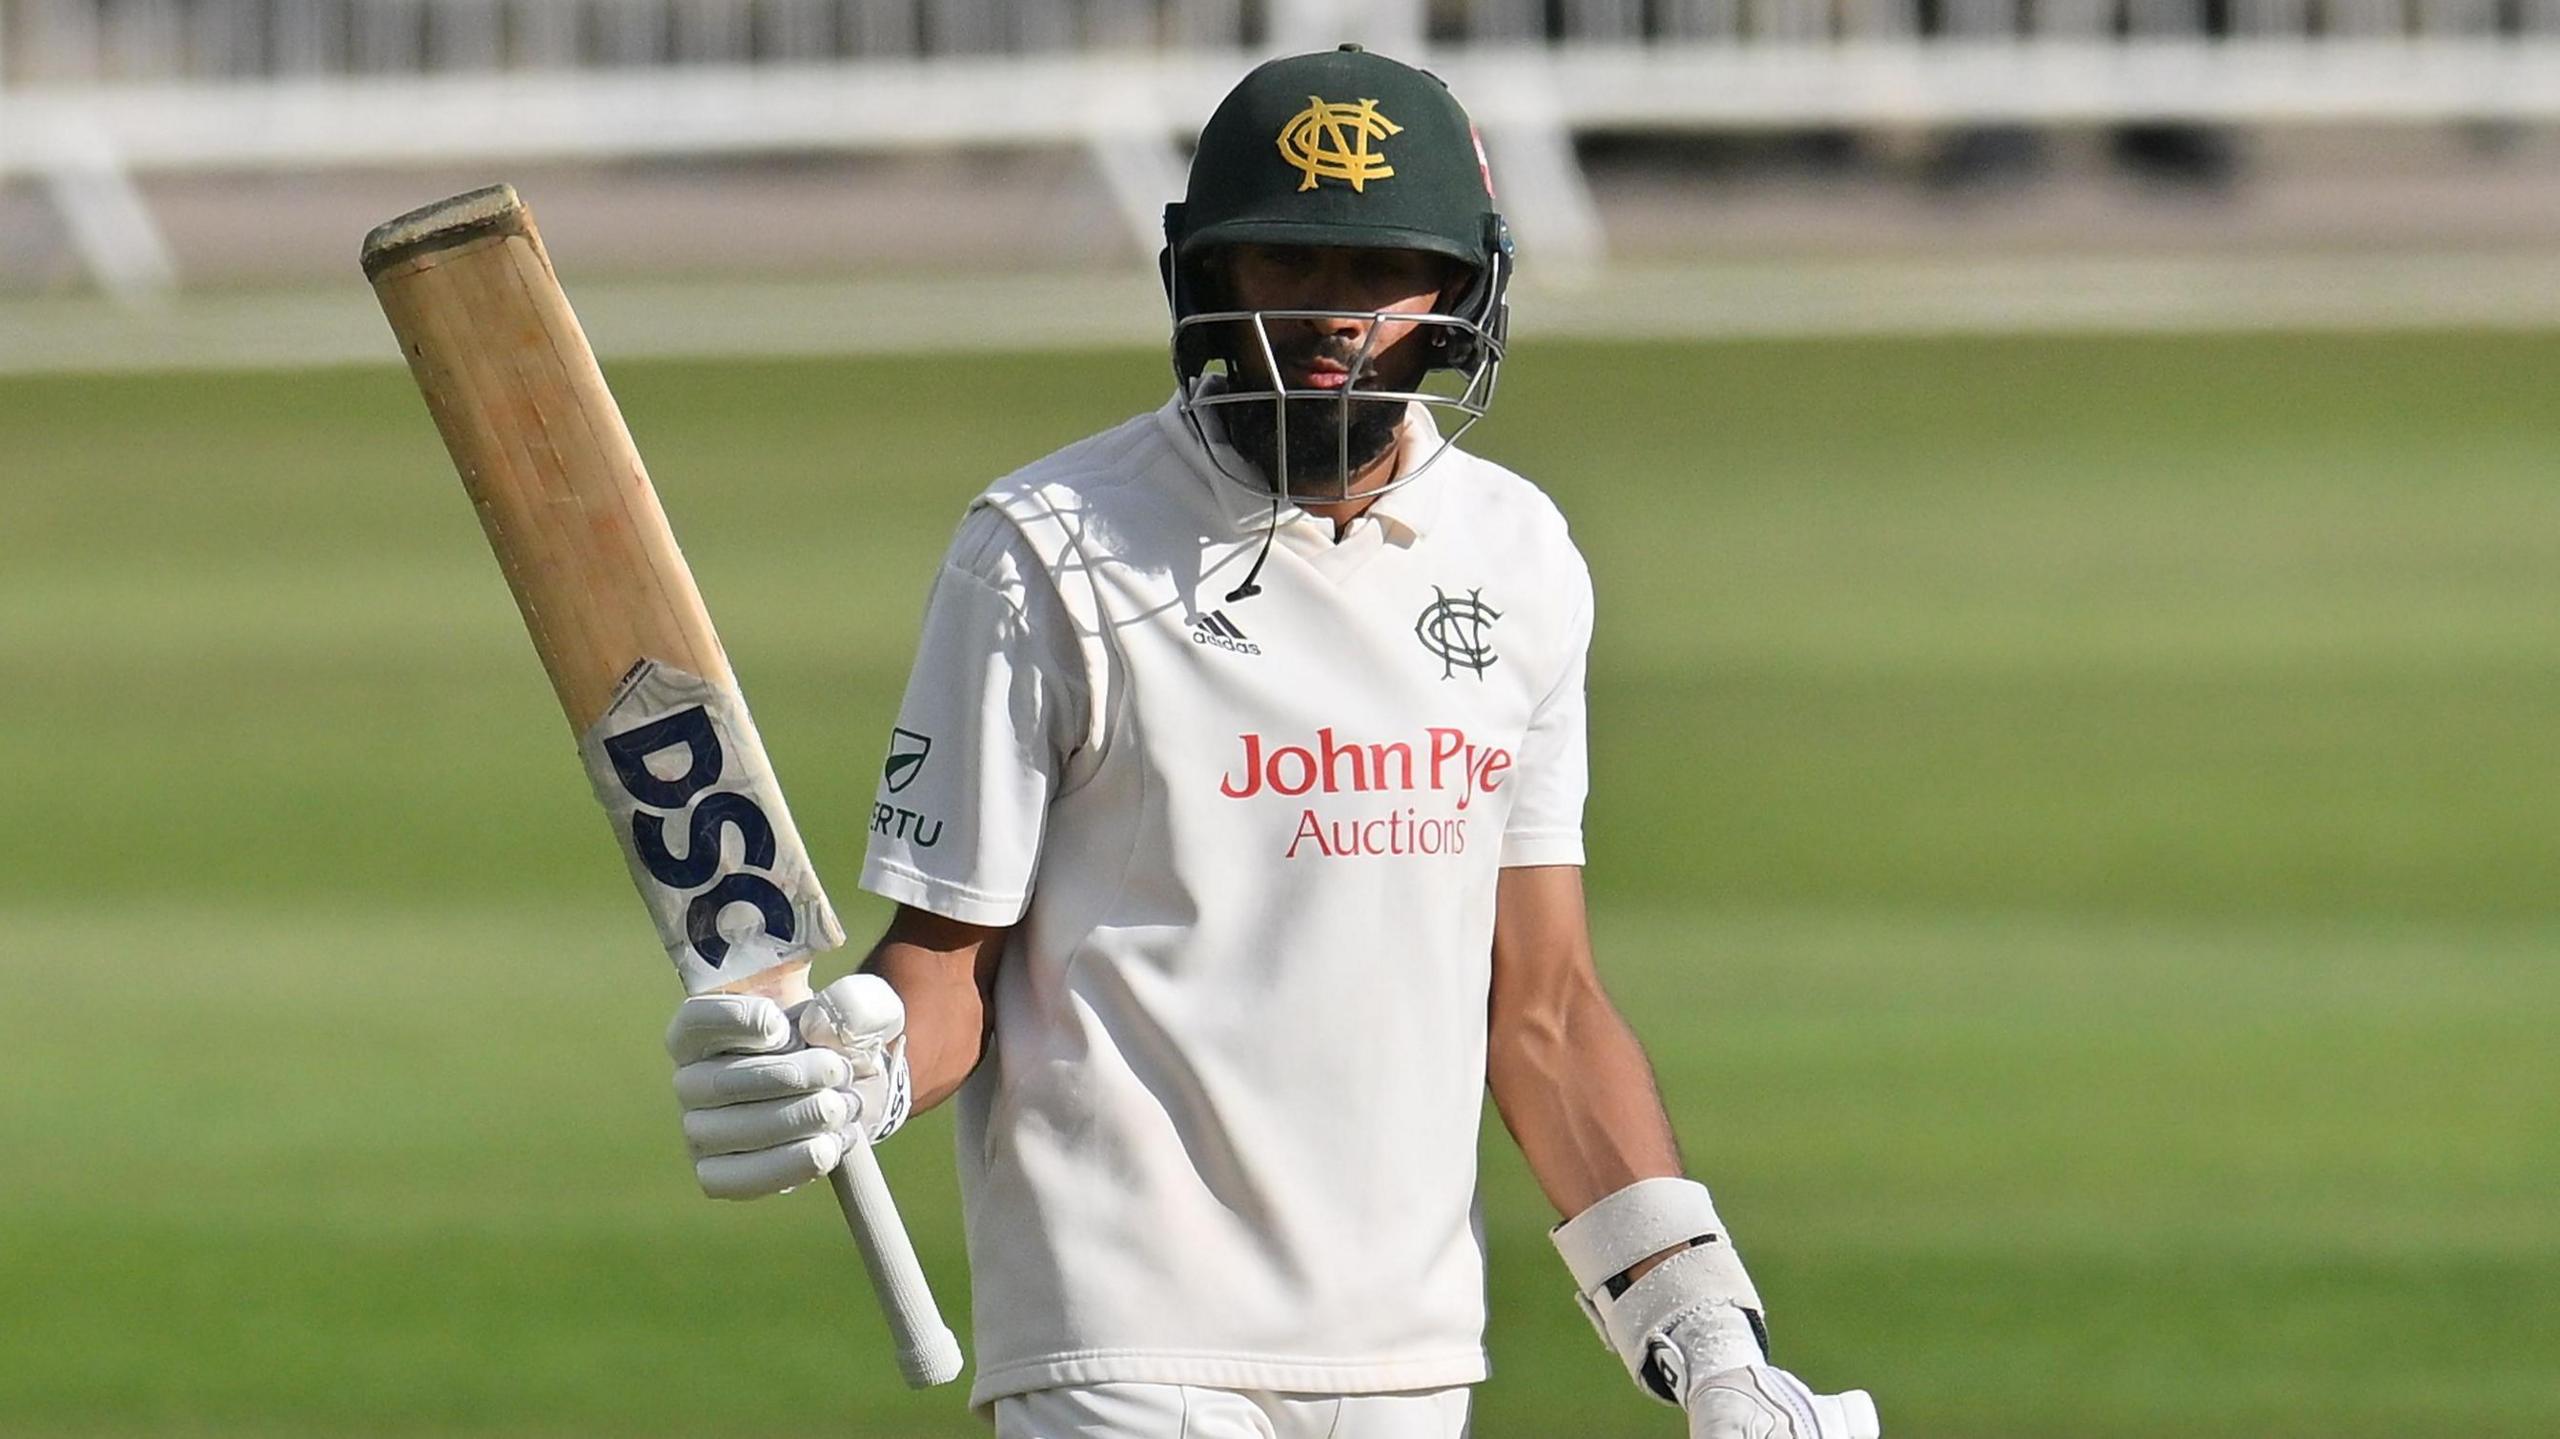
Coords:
1214,628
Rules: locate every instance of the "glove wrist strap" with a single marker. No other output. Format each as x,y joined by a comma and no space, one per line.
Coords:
1694,1308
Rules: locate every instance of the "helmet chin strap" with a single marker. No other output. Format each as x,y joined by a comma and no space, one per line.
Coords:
1270,530
1280,459
1279,483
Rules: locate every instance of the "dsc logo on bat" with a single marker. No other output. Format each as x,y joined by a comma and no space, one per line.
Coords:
662,800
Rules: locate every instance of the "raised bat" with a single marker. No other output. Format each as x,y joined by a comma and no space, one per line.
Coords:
621,628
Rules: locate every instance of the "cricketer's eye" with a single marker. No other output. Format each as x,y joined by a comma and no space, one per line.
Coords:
1415,272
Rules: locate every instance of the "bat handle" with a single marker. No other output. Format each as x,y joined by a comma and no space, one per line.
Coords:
927,1354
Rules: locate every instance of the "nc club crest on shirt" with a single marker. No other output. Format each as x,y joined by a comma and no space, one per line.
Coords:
1458,631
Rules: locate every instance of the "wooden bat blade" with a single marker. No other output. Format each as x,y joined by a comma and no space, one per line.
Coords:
624,635
541,446
560,489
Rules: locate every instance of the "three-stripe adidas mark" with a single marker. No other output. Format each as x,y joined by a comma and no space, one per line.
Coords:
1214,628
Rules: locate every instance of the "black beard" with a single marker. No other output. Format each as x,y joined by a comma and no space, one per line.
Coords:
1316,454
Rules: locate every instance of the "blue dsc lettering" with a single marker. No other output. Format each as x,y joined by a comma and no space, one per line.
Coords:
660,799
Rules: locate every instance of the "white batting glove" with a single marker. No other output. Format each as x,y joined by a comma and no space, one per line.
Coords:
1758,1402
1688,1328
1711,1358
772,1098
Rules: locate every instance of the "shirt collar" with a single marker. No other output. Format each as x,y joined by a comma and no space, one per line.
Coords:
1412,508
1407,512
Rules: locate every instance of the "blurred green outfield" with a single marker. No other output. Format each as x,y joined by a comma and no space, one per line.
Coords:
2077,821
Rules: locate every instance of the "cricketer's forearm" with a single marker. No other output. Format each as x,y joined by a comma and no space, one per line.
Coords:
1567,1073
945,974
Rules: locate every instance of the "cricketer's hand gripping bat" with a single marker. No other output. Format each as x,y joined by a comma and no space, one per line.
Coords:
675,760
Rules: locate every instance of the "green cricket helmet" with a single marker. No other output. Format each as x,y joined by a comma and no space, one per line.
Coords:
1341,148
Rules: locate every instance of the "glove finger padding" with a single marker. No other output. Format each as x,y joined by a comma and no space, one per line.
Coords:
857,1014
1760,1402
744,1078
743,1128
769,1171
861,1017
709,1024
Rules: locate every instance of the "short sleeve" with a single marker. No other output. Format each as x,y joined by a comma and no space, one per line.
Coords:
1554,771
993,710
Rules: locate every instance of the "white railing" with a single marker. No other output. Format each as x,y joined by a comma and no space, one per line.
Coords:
154,42
92,91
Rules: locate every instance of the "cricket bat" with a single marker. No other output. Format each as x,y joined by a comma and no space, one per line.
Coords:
621,628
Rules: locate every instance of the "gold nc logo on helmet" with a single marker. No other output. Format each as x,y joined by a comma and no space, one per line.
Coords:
1331,142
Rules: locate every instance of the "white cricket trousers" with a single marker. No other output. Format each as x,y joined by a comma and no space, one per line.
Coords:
1184,1411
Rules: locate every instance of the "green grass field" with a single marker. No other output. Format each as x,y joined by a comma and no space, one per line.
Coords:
2077,822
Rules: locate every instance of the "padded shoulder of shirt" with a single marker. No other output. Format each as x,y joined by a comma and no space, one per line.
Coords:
1118,456
991,551
987,548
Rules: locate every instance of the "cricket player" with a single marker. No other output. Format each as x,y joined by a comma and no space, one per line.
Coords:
1233,814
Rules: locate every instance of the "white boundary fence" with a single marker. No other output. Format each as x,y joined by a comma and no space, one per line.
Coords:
94,91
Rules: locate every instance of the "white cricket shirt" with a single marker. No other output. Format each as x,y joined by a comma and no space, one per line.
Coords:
1226,1131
